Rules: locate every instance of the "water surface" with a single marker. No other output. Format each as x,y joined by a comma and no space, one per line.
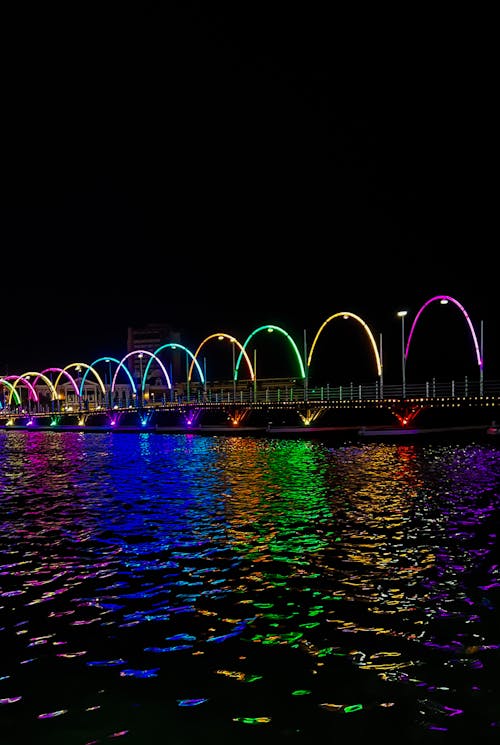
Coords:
183,589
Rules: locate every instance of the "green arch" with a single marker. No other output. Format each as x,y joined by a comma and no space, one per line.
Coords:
174,345
12,391
270,327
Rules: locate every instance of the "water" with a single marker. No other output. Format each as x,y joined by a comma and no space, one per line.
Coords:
183,589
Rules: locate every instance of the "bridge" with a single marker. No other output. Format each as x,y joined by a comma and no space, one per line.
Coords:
144,394
350,406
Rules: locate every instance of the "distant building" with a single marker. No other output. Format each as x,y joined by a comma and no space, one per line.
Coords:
156,340
150,338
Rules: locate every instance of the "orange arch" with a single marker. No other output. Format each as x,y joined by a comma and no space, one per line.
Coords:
231,339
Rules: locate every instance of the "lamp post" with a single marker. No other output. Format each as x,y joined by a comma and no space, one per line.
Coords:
381,388
78,381
402,314
481,367
306,377
29,398
255,375
109,388
140,382
234,371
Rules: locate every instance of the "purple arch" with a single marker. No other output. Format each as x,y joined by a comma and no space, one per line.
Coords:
61,372
466,316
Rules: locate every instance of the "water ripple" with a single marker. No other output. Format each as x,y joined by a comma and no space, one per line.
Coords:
197,585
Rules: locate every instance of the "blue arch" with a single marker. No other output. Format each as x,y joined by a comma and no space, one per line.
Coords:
107,359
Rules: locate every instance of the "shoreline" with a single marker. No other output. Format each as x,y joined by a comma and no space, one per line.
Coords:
361,432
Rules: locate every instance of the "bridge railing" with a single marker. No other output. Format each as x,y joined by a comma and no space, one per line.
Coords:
351,392
297,393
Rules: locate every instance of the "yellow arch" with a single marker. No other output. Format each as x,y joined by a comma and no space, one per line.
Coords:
231,339
345,314
89,367
45,380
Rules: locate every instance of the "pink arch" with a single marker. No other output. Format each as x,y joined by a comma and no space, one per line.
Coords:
466,316
61,372
31,390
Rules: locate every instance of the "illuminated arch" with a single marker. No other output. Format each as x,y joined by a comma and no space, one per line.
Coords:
91,368
61,372
45,379
345,314
232,339
12,390
270,327
174,345
32,392
446,298
141,352
76,365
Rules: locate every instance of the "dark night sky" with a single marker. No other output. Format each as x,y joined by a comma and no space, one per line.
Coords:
221,169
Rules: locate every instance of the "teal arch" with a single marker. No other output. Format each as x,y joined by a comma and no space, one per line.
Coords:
106,359
175,345
270,327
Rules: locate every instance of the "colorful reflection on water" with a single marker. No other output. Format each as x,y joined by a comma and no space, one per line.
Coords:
178,589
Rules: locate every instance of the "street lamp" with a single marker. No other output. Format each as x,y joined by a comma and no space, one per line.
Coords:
188,393
402,314
78,370
27,377
109,388
234,371
306,368
140,382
